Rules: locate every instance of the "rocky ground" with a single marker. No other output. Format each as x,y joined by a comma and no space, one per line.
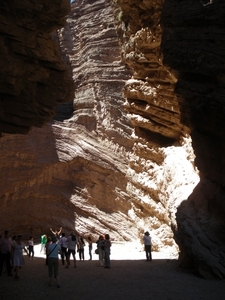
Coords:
130,277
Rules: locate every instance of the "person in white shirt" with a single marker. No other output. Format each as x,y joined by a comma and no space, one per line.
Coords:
18,259
147,243
31,248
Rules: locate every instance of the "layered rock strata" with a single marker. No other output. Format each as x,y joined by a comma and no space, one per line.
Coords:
109,163
99,77
181,44
82,154
34,78
96,168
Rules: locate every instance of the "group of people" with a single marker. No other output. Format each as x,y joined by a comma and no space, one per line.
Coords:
103,250
65,246
68,244
11,253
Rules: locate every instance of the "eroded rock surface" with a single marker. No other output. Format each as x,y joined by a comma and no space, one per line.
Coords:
34,78
97,168
181,43
124,163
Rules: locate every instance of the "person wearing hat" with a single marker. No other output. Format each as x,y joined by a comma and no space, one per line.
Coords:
147,243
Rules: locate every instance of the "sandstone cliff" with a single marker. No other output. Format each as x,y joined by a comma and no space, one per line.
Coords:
119,157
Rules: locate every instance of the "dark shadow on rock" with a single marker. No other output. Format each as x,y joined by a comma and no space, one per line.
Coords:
193,45
34,196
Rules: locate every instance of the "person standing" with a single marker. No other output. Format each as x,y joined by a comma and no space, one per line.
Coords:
5,252
71,244
31,248
18,259
90,247
80,246
63,244
43,242
107,251
53,261
147,243
101,248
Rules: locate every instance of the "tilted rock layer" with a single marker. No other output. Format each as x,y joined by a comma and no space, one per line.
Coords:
124,163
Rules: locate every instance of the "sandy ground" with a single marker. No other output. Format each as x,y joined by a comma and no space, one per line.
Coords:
130,277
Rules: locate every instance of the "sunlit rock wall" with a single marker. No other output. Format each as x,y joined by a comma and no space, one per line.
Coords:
142,187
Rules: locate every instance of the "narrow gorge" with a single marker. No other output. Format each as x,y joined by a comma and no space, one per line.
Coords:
112,121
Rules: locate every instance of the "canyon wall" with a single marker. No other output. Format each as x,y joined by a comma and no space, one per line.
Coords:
126,153
91,168
192,45
175,48
33,78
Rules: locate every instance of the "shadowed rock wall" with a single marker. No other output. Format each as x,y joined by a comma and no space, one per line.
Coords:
193,44
33,78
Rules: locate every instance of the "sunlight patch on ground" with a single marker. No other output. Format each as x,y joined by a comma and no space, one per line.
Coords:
119,251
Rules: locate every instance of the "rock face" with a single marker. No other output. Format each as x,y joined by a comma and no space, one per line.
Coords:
119,157
173,49
196,54
89,169
34,78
